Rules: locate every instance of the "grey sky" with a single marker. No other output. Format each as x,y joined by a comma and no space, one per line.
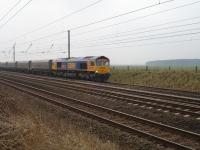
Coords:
133,42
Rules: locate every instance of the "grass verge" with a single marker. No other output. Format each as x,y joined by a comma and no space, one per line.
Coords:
174,79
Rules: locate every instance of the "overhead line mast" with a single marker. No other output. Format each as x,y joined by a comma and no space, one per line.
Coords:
14,52
69,45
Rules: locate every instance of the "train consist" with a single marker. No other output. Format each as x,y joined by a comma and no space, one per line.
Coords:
95,68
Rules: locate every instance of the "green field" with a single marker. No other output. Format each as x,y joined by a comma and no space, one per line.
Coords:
175,78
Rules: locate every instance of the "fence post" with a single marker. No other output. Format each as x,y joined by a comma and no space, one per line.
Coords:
147,68
196,69
169,68
128,68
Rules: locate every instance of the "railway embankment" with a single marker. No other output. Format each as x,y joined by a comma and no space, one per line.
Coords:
175,78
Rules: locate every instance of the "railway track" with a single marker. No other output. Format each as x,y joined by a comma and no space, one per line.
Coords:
195,94
157,90
183,108
191,98
165,135
172,97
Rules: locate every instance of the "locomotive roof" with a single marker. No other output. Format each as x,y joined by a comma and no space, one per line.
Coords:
87,58
81,58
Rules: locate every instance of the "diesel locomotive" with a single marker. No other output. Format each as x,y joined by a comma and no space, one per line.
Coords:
95,68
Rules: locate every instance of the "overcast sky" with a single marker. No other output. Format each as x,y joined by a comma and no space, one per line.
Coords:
166,31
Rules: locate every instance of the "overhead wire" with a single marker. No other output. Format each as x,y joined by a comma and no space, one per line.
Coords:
1,26
140,40
119,35
171,27
103,19
135,19
141,45
149,44
130,12
57,20
44,37
159,43
120,15
46,43
44,51
49,45
153,35
10,10
135,33
113,18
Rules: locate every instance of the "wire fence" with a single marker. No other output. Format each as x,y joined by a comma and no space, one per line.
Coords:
195,68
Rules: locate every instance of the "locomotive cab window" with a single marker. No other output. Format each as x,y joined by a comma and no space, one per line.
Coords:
103,62
59,64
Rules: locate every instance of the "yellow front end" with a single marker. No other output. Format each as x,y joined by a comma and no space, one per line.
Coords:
92,67
102,69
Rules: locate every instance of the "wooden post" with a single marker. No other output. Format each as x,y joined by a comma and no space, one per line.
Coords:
147,68
196,69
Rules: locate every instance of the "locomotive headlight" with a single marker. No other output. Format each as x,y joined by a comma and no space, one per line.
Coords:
97,71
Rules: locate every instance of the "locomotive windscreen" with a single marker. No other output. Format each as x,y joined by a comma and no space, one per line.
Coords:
102,62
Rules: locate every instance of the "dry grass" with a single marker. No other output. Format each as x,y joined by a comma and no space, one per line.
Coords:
184,79
27,127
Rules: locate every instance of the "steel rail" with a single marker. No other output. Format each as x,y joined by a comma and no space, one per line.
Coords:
194,94
190,100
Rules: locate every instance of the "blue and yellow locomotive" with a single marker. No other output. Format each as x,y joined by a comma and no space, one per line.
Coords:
88,68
